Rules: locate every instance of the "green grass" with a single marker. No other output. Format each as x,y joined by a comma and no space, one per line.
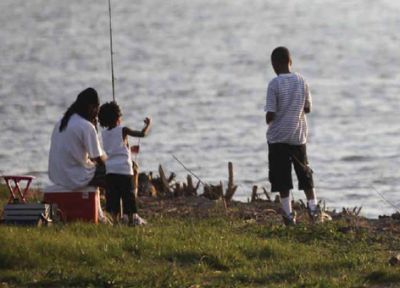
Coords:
176,252
4,195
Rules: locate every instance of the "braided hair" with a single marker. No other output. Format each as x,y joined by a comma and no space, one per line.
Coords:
81,106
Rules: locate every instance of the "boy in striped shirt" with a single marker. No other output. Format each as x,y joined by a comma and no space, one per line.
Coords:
288,100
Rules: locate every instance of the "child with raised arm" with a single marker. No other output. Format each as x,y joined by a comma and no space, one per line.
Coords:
119,168
287,103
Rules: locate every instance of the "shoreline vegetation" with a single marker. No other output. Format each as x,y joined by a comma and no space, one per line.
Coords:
206,240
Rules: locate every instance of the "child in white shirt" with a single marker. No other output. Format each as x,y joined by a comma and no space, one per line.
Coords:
119,169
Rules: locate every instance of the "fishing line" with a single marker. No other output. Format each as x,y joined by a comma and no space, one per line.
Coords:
187,169
384,199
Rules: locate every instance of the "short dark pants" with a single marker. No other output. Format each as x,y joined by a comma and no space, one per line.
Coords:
99,178
281,157
120,187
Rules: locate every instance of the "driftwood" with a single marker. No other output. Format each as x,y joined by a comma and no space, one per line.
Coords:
163,186
146,186
186,189
190,189
266,194
160,186
214,192
230,191
254,196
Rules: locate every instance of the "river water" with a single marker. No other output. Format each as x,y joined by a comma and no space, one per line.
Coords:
199,68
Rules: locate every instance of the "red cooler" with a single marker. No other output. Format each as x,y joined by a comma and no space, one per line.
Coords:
77,205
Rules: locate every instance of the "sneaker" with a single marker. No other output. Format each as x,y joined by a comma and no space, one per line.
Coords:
289,220
138,221
125,219
105,220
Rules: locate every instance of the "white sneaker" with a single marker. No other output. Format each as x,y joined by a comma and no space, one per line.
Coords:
105,220
138,221
125,219
289,220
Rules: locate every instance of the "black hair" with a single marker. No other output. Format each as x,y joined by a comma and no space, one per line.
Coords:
81,106
109,114
280,55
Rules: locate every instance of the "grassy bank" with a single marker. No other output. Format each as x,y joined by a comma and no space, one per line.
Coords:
197,252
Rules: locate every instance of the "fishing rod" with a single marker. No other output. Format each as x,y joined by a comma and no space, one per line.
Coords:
111,51
112,64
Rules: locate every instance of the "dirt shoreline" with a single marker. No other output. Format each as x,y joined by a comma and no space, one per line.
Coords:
262,212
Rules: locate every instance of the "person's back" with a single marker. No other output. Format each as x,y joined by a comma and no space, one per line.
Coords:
288,96
69,163
119,159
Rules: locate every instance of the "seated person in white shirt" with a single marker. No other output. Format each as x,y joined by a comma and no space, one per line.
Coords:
75,150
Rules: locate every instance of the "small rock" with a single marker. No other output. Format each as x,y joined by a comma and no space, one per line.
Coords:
395,260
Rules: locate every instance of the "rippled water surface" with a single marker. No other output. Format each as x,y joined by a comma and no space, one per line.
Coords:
199,68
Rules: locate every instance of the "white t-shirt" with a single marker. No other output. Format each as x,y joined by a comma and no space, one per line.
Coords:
70,150
119,159
287,95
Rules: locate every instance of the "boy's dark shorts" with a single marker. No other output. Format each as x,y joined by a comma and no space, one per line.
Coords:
120,187
281,157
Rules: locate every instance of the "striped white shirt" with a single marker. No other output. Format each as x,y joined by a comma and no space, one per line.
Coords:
287,95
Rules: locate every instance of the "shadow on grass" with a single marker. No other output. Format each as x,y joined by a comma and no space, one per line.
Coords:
266,280
263,253
192,258
59,278
383,277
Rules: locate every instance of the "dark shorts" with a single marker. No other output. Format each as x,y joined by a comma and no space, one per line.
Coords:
281,158
99,178
120,187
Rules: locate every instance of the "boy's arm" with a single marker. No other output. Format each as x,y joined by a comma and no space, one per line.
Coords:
271,102
269,117
101,160
135,133
308,102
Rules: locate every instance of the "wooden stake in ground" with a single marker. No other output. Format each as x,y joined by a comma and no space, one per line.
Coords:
254,195
191,190
230,191
164,181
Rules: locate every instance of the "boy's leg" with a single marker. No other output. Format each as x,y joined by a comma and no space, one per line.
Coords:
304,175
129,198
280,177
113,196
135,178
286,203
311,198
